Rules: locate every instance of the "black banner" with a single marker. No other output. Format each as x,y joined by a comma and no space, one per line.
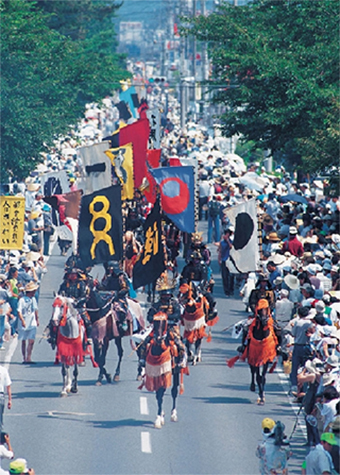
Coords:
151,263
100,234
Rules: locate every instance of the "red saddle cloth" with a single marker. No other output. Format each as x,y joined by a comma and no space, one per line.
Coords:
158,370
70,350
194,322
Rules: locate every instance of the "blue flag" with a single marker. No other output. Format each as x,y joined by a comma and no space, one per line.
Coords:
128,97
177,188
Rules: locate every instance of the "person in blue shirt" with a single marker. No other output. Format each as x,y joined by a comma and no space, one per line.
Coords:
273,272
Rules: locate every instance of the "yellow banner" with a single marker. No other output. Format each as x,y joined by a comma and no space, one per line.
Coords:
122,160
12,216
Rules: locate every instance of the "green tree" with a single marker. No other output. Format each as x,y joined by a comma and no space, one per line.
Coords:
46,79
276,65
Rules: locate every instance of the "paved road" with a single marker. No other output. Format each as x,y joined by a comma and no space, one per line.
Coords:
109,429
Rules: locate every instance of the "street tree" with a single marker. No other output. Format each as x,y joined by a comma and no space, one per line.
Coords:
47,77
275,68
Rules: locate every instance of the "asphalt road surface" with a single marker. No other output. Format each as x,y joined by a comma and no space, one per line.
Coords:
109,429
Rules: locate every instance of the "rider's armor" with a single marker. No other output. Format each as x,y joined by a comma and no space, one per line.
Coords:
194,272
75,289
170,306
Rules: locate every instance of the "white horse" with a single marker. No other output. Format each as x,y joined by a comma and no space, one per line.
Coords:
69,341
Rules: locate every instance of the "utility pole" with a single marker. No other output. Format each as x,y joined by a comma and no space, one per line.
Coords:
204,71
182,86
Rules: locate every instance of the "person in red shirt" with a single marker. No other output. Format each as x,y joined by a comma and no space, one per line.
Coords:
293,245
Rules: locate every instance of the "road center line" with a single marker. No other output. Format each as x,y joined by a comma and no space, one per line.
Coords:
143,404
146,442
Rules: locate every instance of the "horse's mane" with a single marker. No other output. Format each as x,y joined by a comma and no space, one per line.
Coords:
98,303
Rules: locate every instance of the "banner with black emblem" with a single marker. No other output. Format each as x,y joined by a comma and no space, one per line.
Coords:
151,263
100,235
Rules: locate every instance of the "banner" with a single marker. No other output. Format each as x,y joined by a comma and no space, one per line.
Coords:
177,188
12,217
96,167
153,160
137,134
54,183
124,112
130,98
154,117
244,255
100,235
121,159
151,263
67,206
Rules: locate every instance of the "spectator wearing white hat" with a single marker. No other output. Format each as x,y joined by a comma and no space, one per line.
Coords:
28,321
283,308
311,272
324,277
327,344
301,330
330,400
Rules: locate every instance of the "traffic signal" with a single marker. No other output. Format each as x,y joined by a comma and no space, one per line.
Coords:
158,81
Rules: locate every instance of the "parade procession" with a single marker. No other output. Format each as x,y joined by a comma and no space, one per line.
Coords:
169,276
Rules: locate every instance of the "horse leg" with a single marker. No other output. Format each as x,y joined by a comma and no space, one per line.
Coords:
118,342
263,378
74,387
106,374
189,352
174,394
197,357
260,399
252,384
66,380
140,367
100,350
159,422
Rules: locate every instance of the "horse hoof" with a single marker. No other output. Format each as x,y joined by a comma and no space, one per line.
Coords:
139,377
260,401
98,383
158,422
63,394
74,390
108,378
252,387
174,417
116,378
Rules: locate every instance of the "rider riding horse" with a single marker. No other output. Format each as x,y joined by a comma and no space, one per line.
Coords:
194,319
259,347
165,362
68,329
113,315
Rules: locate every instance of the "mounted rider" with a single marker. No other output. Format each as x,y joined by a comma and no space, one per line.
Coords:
76,284
196,273
167,302
164,356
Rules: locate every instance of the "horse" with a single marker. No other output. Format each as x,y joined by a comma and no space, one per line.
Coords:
113,316
67,334
165,363
194,319
259,348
